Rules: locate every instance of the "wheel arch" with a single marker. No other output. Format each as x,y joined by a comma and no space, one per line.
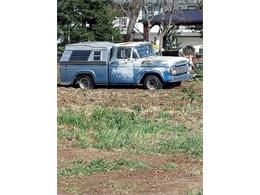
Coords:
141,80
89,73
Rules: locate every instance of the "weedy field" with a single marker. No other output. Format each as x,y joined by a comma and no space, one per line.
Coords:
130,140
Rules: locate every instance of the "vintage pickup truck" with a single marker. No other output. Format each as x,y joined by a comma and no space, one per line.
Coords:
132,63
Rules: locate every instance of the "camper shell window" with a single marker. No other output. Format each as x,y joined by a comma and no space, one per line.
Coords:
80,55
97,55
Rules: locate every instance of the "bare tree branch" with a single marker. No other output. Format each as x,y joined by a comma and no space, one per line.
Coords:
131,8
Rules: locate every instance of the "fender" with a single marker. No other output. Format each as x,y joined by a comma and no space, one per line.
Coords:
92,73
141,75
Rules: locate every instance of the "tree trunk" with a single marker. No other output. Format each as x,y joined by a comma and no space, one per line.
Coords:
131,25
147,20
161,35
132,15
68,38
165,26
149,26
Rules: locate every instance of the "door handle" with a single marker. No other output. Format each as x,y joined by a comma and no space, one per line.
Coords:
113,64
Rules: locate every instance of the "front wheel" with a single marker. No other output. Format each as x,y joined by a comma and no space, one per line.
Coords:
85,82
152,82
177,84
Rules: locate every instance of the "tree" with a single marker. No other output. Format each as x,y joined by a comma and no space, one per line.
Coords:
147,18
86,20
129,8
165,25
200,4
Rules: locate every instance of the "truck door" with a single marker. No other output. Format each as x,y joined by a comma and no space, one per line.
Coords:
121,70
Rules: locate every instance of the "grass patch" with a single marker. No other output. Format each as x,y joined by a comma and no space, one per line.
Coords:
77,137
72,126
114,118
190,144
71,189
164,115
113,128
191,94
196,192
137,108
132,165
169,166
80,167
193,171
72,117
123,187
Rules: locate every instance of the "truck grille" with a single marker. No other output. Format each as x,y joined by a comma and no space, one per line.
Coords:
181,69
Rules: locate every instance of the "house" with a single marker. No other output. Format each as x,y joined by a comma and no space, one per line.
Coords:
185,35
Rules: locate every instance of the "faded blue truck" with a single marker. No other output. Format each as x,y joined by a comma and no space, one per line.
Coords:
132,63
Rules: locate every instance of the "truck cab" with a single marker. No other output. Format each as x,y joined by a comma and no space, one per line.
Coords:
132,63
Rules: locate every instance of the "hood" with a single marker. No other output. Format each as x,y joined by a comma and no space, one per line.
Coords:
166,61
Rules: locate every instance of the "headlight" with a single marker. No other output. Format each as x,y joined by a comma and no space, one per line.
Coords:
190,67
173,70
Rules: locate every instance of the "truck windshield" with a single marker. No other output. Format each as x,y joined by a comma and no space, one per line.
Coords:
145,50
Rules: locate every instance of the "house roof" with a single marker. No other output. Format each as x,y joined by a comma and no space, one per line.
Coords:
180,17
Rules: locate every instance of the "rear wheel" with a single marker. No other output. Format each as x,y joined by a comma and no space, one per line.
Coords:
152,82
85,82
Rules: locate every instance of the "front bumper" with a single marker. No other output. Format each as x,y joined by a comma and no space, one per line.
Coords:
177,78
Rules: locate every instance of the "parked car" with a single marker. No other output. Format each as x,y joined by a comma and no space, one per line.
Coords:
132,63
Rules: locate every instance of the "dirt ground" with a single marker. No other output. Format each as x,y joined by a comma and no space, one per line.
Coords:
153,180
185,179
123,96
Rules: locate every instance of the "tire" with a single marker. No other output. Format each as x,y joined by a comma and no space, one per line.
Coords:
85,82
152,82
177,84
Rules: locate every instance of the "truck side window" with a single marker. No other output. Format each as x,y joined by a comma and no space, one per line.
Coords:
127,52
97,55
80,55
